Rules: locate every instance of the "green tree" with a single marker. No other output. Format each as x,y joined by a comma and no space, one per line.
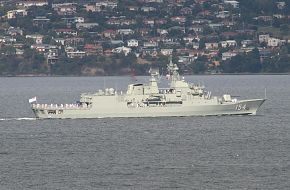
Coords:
252,62
9,65
284,29
243,63
199,67
8,50
67,66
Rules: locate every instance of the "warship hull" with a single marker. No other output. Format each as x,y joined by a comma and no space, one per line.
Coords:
180,99
121,109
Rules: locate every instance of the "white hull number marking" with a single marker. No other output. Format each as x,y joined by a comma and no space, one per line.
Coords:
240,107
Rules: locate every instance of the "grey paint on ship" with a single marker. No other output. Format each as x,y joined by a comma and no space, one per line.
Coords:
147,100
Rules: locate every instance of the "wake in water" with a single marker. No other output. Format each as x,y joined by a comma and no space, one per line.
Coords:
18,119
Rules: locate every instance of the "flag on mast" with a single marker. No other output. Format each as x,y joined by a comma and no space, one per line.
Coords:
31,100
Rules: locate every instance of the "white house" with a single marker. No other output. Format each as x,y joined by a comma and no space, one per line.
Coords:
65,9
13,13
223,14
228,43
246,43
281,4
38,3
273,42
69,49
235,4
125,31
150,44
122,49
86,25
153,1
36,37
59,40
14,31
185,59
79,19
228,55
148,9
54,5
196,28
7,39
195,45
76,54
41,48
107,4
264,38
166,51
189,38
162,31
132,43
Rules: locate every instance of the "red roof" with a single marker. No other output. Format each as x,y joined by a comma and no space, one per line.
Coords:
91,46
64,30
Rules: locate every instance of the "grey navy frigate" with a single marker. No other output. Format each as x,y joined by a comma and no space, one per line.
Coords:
148,100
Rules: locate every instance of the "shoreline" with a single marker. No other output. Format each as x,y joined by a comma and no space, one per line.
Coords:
206,74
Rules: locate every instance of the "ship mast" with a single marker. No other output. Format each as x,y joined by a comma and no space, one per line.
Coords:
173,71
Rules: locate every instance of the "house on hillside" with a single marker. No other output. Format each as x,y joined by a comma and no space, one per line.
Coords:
74,41
66,9
40,21
125,31
66,31
36,37
15,13
90,8
30,3
42,48
105,4
228,55
76,54
264,38
246,43
150,44
132,43
273,42
109,34
86,25
122,49
148,9
166,52
234,4
211,45
14,31
93,49
228,43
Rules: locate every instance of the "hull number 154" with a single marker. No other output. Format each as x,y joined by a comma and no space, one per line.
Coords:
240,107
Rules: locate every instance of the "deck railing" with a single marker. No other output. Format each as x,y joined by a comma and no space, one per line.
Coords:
60,106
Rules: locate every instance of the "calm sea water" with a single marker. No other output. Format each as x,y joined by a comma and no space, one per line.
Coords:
229,152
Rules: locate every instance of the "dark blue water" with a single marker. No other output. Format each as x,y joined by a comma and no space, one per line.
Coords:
230,152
